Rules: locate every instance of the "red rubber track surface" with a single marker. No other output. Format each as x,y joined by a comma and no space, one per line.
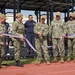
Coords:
67,68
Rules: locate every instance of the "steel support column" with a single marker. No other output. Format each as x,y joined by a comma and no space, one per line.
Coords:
48,21
14,10
4,10
36,13
65,18
72,8
48,13
51,13
18,6
39,16
67,13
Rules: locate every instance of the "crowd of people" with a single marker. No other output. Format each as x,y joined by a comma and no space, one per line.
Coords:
37,35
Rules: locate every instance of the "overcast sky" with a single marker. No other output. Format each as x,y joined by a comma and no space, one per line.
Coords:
26,13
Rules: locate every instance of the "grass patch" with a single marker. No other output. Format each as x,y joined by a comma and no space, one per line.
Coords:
23,61
31,60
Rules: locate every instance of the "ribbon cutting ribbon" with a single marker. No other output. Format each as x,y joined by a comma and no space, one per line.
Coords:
49,46
71,36
16,36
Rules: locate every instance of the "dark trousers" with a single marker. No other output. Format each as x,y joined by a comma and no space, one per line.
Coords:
31,39
7,47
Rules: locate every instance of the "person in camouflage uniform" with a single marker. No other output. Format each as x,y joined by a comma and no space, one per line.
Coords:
3,39
70,29
57,32
41,30
18,29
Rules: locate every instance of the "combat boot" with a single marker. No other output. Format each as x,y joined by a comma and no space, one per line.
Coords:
55,59
62,60
0,65
38,62
74,59
68,60
48,63
18,63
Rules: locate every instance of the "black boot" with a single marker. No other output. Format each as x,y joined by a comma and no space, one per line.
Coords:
0,65
18,63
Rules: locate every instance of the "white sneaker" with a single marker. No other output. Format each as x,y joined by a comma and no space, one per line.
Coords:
8,54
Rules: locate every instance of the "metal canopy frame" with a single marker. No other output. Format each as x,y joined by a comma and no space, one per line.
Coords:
38,5
49,6
59,5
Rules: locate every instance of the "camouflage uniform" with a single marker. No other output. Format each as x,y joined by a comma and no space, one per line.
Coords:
41,42
2,42
2,39
70,29
56,31
17,29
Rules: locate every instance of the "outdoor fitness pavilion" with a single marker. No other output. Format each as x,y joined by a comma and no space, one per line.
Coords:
50,6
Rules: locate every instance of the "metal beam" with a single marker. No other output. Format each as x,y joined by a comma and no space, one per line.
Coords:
67,13
39,15
48,13
14,10
36,13
23,2
4,4
3,7
41,6
18,6
51,13
36,3
63,3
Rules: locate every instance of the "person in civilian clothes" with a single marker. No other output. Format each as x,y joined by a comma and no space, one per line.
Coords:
30,35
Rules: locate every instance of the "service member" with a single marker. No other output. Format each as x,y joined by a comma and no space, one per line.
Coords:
70,29
41,30
57,32
3,39
18,29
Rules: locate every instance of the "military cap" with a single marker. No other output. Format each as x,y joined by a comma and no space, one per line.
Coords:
19,15
58,13
71,14
43,17
3,16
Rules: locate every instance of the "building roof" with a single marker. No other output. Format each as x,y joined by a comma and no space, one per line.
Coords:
58,5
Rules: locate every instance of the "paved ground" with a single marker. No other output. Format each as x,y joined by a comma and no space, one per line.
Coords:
68,68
